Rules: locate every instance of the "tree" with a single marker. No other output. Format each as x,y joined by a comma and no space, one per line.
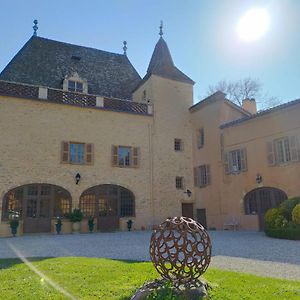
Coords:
237,91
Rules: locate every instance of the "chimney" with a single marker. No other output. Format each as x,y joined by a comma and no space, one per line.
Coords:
249,105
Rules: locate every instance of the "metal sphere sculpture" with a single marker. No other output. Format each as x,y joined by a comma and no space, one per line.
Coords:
180,249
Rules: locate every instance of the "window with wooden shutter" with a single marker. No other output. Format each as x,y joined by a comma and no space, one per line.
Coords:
135,156
270,154
114,156
208,174
89,157
204,175
226,163
65,152
294,148
243,156
196,177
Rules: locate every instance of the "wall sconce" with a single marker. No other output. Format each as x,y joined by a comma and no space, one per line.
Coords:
258,178
188,192
77,178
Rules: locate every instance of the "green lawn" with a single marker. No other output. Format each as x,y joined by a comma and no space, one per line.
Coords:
94,278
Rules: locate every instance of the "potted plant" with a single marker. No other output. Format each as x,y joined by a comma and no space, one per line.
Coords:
76,217
129,224
58,225
14,223
91,224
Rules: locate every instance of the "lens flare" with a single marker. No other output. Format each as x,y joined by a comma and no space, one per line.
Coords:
253,25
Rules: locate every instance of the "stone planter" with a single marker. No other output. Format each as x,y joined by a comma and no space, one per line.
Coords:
76,227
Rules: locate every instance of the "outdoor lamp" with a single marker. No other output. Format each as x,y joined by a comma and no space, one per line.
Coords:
188,192
258,178
77,178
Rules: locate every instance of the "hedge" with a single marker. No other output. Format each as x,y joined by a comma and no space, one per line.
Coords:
284,233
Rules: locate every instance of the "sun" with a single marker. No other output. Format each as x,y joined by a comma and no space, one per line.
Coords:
253,25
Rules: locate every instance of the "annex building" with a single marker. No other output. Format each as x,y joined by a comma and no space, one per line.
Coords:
81,129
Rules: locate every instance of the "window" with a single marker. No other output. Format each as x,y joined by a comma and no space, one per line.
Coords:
235,161
127,204
178,145
202,175
75,86
283,150
77,153
125,156
200,138
88,205
179,183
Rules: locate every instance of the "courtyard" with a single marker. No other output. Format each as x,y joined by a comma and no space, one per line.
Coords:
243,251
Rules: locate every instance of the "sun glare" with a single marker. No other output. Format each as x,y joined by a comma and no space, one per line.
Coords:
253,25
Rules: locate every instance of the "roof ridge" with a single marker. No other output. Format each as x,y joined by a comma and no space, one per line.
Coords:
70,44
261,113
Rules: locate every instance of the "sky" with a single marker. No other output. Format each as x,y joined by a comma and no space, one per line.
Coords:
201,35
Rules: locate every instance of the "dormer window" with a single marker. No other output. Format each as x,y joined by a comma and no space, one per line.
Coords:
75,86
74,83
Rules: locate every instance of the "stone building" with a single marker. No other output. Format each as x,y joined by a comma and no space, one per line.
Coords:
81,129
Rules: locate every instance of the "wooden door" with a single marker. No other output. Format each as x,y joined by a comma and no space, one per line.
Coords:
108,218
201,217
38,208
188,210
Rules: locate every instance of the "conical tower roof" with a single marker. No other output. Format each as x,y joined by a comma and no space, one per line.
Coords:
162,64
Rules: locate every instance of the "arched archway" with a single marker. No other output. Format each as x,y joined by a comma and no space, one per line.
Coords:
36,204
107,203
259,200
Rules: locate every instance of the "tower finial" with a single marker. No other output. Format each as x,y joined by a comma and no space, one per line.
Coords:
35,27
125,47
161,28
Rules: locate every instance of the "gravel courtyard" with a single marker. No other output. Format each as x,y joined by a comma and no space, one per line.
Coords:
245,251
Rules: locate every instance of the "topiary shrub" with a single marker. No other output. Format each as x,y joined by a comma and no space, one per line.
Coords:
290,233
76,215
272,218
287,206
296,214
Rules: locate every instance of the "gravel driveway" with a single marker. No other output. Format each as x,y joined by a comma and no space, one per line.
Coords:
245,251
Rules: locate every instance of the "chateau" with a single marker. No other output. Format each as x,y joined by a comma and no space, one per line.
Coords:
81,129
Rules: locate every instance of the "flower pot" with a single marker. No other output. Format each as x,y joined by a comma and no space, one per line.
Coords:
76,227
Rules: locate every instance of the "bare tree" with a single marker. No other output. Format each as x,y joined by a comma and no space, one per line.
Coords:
237,91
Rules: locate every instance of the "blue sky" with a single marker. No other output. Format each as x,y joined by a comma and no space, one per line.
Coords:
201,35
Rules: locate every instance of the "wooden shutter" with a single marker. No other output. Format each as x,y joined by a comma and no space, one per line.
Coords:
207,174
243,159
270,154
65,152
196,176
114,156
135,156
294,147
89,154
226,163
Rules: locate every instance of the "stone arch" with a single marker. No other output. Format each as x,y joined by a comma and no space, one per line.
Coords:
107,203
259,200
36,204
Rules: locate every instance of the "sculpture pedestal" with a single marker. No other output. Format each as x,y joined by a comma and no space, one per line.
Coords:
195,291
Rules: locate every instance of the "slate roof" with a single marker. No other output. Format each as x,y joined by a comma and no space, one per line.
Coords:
46,62
162,64
260,113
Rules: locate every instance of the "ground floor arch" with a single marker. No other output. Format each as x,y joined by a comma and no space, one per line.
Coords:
36,204
108,203
258,201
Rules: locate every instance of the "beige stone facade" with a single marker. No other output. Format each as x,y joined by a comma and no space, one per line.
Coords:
34,128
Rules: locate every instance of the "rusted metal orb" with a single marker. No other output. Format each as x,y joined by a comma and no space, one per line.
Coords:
180,250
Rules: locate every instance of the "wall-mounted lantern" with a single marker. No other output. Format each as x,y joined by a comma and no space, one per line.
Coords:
258,178
188,192
77,178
